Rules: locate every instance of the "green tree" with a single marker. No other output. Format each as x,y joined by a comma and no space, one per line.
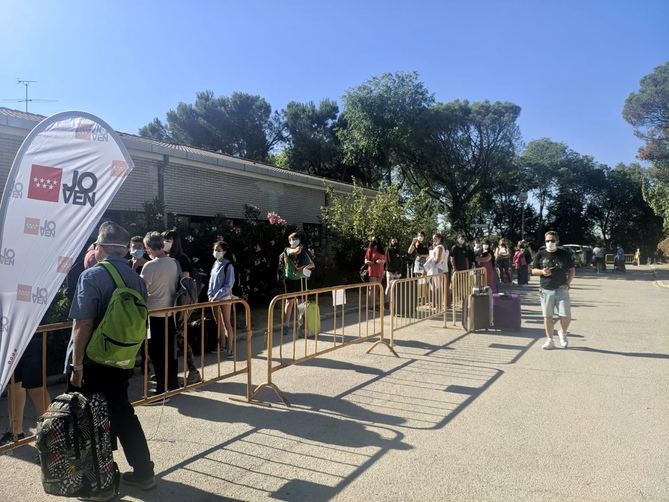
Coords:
241,125
311,141
379,120
648,111
456,152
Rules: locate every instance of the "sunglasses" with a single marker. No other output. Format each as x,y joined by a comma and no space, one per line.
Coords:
551,240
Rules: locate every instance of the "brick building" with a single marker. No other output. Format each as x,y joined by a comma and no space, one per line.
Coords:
193,182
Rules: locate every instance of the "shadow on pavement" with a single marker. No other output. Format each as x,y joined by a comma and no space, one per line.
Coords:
649,355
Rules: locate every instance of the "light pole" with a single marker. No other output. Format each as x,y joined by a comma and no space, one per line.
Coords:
523,198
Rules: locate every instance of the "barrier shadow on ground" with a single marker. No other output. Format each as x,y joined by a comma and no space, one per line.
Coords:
432,384
286,453
649,355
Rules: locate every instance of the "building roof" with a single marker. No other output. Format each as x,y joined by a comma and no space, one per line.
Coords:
16,118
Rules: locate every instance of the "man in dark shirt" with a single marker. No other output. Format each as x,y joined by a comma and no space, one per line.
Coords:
459,255
94,291
555,268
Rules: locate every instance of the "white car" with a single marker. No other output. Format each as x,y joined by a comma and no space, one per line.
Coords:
577,253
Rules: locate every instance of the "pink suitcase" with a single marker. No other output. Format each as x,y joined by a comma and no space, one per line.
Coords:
506,311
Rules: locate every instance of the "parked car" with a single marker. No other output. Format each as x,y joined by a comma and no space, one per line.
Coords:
577,253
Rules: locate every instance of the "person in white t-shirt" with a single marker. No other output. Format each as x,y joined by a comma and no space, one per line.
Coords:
161,275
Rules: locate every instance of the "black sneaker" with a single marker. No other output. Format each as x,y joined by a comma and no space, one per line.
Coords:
145,483
8,438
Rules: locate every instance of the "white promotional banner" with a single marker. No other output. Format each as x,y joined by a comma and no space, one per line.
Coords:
64,176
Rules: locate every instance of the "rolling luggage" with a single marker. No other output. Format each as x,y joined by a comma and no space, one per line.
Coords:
309,318
506,311
75,449
476,311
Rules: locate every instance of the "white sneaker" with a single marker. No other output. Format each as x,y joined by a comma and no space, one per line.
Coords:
563,339
548,344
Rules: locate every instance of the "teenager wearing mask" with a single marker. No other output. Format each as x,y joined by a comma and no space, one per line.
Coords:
138,256
174,249
421,252
221,280
486,259
375,259
161,275
520,263
292,263
503,260
393,264
459,254
555,268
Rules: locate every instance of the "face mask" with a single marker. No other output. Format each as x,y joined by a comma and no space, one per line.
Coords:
477,247
137,253
167,246
551,246
485,247
420,238
461,242
295,242
218,254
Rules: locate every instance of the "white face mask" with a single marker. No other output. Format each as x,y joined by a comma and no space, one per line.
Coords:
294,242
137,253
218,254
551,246
167,246
485,247
477,247
420,238
461,242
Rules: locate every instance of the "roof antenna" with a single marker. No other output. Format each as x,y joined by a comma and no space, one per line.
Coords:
27,100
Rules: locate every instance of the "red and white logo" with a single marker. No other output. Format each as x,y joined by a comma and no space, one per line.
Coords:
119,168
31,226
65,264
45,183
24,293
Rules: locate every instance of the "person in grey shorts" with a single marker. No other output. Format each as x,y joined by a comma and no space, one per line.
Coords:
555,268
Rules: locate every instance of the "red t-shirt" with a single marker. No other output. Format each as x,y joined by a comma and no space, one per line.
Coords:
375,269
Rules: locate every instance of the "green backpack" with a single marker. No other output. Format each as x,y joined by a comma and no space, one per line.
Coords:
119,336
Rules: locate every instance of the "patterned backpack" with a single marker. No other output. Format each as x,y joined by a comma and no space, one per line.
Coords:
74,445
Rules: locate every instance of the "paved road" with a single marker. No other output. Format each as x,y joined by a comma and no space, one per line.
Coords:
479,416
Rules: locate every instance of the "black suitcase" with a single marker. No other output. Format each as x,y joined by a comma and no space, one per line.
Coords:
210,333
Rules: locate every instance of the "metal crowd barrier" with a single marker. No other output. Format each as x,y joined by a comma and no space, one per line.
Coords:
297,343
629,259
188,317
462,282
416,299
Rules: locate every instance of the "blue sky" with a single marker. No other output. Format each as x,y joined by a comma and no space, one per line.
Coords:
568,64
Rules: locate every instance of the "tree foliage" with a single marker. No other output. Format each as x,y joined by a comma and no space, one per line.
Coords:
378,123
311,143
241,125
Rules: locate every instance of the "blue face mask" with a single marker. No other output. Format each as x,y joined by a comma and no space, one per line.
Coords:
218,254
137,253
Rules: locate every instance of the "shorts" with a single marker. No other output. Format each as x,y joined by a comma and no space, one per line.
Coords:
29,370
292,286
552,298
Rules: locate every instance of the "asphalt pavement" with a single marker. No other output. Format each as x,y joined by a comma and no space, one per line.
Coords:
458,416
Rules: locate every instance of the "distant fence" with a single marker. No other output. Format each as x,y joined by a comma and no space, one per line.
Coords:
629,259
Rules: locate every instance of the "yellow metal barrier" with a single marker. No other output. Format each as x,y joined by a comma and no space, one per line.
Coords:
629,259
416,299
240,362
462,283
369,315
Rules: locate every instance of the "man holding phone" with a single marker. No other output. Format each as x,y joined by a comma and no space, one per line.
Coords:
555,268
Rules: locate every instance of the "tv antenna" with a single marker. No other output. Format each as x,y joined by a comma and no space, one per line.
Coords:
26,100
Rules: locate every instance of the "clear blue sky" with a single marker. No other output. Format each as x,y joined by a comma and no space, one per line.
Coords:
569,64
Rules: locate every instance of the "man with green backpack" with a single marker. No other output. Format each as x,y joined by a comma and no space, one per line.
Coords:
110,318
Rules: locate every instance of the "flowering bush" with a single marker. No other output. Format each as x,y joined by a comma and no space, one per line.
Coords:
275,219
